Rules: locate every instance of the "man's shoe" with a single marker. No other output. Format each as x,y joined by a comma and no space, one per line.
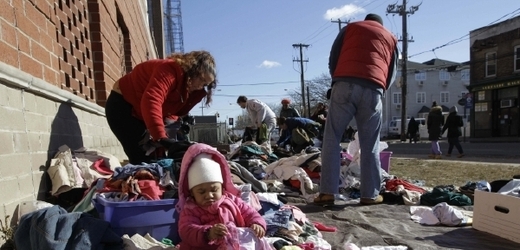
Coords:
324,199
438,157
431,156
368,201
460,155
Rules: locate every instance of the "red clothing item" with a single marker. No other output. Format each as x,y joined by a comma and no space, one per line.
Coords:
366,52
391,185
157,89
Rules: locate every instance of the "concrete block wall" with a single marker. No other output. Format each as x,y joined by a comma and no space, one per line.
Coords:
32,128
58,62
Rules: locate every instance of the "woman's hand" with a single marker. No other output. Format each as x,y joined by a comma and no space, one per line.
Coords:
217,231
259,230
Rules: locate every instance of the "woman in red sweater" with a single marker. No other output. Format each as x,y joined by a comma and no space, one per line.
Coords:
154,91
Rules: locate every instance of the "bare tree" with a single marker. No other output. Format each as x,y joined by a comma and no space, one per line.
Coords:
317,92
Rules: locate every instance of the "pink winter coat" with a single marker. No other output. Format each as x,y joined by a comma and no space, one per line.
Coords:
195,221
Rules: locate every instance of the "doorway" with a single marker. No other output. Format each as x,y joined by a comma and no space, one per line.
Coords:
508,121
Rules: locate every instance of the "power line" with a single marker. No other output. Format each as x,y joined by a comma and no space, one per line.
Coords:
270,95
318,31
258,83
466,37
340,22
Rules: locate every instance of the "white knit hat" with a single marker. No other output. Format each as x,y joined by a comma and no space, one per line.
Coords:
204,169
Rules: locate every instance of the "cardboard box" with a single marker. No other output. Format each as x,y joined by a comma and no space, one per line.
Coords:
497,214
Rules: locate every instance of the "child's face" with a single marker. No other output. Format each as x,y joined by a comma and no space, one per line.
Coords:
207,193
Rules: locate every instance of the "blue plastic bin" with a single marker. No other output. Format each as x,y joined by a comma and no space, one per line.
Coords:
156,217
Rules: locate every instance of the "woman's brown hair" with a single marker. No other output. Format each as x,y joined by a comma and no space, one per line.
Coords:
198,64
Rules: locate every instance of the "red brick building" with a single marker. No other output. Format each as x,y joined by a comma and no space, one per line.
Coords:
58,62
495,81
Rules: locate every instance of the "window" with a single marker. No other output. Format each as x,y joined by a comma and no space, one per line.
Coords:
517,58
421,97
421,76
464,75
444,75
491,64
445,97
396,98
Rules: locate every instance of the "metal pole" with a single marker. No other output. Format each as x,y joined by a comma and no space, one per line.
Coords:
465,122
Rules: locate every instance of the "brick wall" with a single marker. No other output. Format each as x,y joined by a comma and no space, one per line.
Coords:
77,49
503,44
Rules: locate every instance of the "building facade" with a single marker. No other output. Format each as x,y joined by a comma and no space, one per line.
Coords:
442,81
495,81
59,60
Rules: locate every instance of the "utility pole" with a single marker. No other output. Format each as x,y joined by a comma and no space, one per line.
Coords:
302,79
401,10
340,22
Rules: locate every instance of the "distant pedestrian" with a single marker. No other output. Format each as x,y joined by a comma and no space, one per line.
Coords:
413,128
288,111
453,124
435,123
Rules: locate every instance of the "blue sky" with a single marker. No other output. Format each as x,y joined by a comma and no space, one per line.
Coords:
252,40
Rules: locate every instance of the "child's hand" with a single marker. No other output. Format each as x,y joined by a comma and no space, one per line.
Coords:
259,230
217,231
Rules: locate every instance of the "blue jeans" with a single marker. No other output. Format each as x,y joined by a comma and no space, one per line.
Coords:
350,100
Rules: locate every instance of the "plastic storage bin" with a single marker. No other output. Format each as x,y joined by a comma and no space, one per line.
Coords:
384,157
156,217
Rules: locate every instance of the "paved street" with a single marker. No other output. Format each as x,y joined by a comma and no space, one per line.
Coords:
480,152
493,152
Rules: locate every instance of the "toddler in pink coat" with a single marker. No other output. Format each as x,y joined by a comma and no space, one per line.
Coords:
210,205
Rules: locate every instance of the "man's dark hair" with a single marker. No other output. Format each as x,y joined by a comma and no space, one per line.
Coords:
242,98
281,121
374,17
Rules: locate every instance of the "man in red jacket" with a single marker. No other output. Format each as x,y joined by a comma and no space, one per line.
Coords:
156,91
362,63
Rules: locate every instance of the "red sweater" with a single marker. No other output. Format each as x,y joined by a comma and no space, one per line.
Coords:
157,89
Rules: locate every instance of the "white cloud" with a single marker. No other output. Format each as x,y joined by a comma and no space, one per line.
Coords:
269,64
346,11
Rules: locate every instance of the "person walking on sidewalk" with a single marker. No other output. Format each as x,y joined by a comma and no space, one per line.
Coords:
413,128
453,124
362,64
435,122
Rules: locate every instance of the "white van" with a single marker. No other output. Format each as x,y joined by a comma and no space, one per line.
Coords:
394,128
